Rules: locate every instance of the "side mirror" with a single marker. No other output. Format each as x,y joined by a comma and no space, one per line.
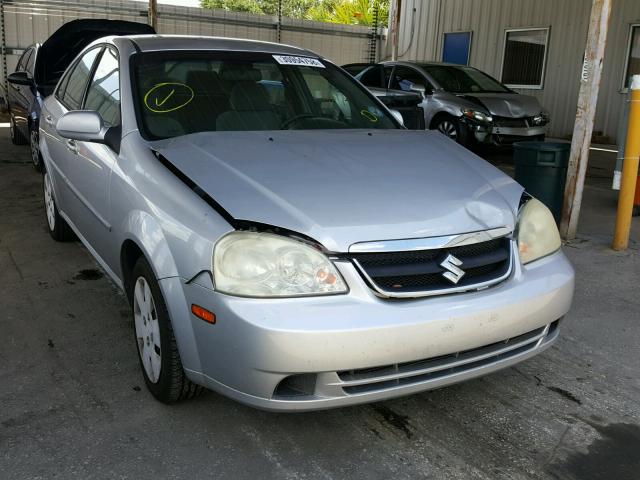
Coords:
20,78
398,116
418,88
83,125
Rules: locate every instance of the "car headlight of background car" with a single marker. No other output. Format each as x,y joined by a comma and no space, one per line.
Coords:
537,232
541,119
476,115
255,264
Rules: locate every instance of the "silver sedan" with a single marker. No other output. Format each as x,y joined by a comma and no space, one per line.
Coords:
281,238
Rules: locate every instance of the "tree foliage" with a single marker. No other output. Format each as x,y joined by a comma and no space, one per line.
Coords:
351,12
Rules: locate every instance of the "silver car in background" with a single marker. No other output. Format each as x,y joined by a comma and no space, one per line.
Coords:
281,238
462,102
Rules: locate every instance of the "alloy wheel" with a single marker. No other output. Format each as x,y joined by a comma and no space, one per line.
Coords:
448,128
35,149
147,329
49,203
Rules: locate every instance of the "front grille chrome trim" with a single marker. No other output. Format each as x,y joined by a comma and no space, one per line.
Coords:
429,243
443,291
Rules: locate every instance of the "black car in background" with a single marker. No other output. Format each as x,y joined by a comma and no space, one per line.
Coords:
41,66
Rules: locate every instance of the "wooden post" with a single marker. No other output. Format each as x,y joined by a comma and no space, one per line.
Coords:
153,14
583,128
395,29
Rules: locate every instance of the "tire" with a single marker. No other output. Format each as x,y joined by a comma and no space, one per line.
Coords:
451,128
17,138
157,349
34,147
58,227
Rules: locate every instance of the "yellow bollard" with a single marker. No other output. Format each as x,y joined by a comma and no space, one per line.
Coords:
629,171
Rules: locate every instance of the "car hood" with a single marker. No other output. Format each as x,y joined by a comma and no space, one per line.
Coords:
511,105
346,186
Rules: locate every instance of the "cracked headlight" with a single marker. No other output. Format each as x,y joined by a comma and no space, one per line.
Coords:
477,116
537,232
251,264
541,119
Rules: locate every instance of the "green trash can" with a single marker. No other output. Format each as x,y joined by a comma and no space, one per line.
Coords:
541,168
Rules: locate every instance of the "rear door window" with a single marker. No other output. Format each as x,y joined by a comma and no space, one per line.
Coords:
74,84
103,95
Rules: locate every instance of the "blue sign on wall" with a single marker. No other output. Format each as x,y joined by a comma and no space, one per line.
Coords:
457,47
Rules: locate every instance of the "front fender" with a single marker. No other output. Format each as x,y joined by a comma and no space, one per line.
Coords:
143,229
147,233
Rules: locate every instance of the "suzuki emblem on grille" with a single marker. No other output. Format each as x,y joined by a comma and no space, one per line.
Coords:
453,271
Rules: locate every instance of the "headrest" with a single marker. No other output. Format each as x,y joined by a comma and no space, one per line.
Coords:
246,96
204,81
240,72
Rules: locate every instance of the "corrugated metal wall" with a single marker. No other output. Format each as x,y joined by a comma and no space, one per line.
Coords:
568,21
27,22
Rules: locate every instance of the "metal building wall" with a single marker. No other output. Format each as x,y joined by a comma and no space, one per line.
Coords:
568,21
30,21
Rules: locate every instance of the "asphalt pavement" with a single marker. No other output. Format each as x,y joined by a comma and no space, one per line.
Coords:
73,403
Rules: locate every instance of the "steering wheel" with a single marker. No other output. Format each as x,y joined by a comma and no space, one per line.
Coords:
320,122
296,119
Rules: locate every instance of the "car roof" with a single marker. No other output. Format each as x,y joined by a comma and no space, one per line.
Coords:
149,43
418,64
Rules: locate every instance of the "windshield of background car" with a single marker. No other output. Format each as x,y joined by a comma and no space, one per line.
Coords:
464,79
178,93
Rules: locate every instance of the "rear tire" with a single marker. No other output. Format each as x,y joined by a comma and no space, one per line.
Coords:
157,348
58,227
17,138
34,146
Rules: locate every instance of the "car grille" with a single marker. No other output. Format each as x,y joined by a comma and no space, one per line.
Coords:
419,273
368,380
508,122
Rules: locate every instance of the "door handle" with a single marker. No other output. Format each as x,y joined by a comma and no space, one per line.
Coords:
72,146
49,119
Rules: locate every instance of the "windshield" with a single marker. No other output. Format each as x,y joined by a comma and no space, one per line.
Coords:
464,79
177,93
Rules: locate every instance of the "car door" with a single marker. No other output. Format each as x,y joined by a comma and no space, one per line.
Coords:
61,152
410,79
20,95
90,164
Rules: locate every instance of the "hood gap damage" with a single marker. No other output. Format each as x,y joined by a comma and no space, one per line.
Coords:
237,224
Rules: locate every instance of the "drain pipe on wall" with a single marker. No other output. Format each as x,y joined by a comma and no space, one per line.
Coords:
5,100
628,184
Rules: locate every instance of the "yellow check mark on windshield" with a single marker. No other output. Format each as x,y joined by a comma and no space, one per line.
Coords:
159,104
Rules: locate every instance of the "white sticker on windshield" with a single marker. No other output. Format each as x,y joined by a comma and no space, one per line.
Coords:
304,61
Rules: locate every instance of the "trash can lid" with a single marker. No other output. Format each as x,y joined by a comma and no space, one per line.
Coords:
543,146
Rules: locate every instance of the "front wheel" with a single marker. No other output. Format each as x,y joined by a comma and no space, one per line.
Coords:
157,347
453,129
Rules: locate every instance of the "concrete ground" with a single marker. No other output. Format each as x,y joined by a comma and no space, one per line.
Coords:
73,403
